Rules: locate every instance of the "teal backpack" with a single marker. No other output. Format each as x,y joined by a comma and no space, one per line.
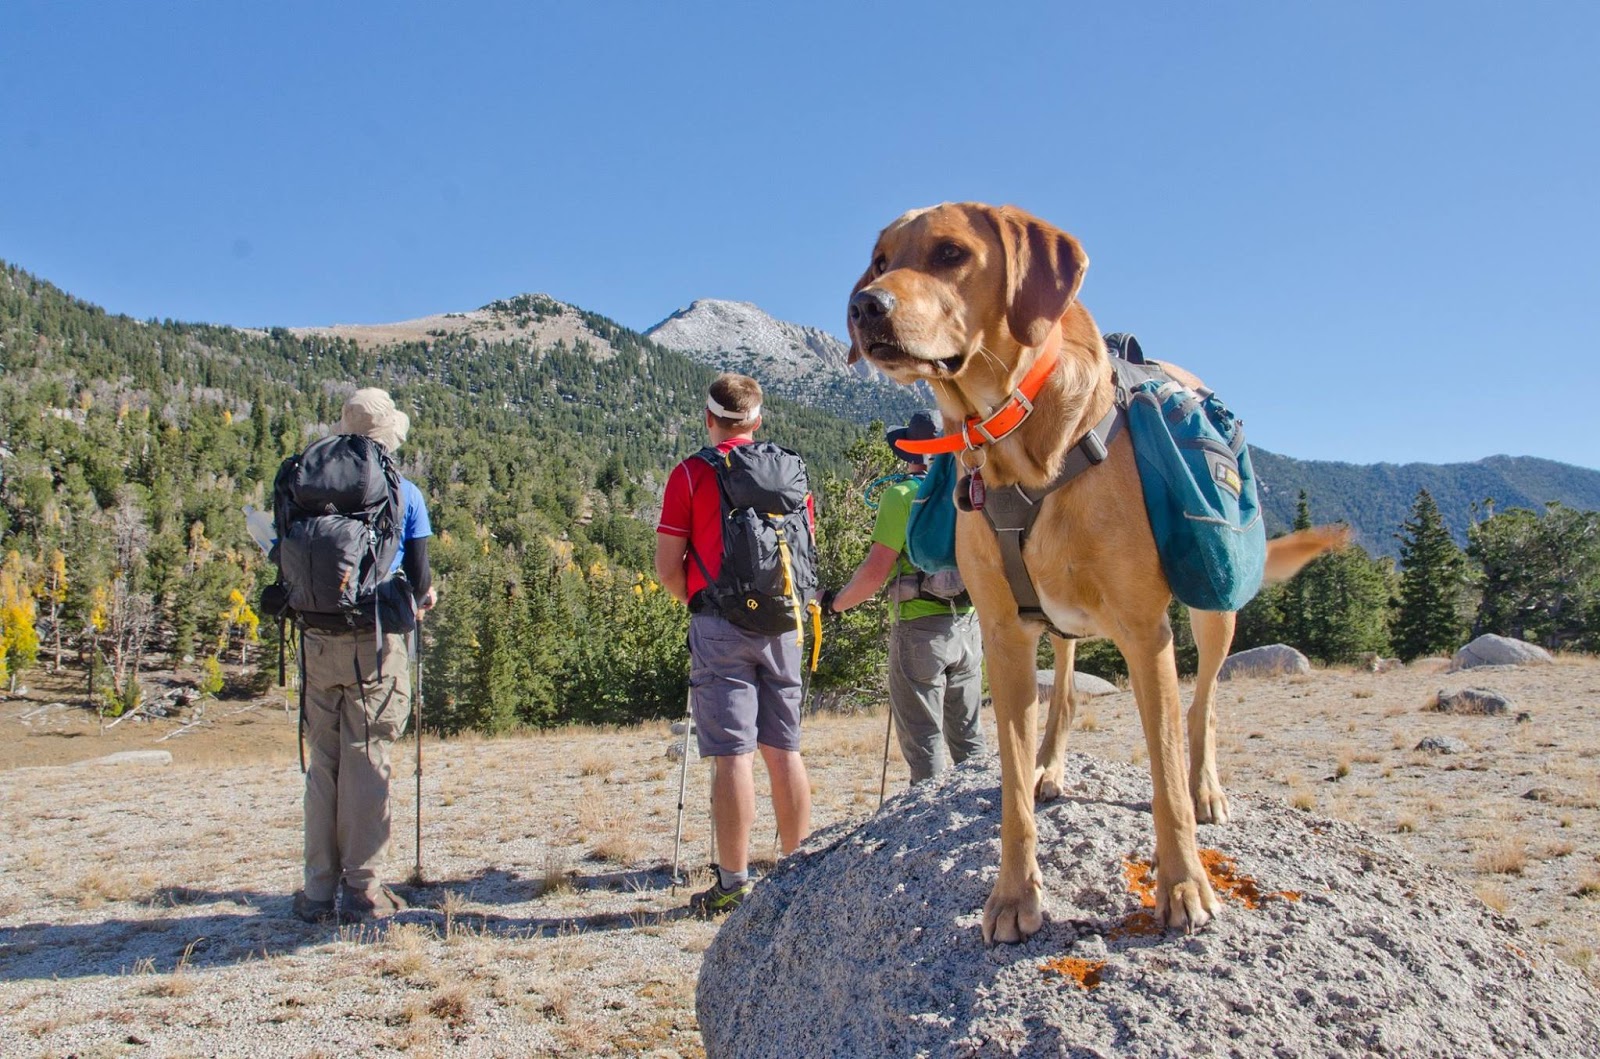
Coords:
931,527
1199,485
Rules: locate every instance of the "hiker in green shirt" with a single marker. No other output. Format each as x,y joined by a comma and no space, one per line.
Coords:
935,652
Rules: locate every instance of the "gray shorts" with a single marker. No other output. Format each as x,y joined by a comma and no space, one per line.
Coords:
745,687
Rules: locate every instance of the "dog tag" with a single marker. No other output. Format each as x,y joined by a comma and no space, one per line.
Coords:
975,490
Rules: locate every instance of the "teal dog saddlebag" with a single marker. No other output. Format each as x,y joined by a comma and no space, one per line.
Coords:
931,528
1199,487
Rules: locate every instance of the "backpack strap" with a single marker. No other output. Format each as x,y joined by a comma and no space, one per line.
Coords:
1013,509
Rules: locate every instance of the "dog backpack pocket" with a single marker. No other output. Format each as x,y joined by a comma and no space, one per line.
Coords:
338,514
931,526
769,566
1199,489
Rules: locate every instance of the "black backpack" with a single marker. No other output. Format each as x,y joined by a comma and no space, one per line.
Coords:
769,561
339,513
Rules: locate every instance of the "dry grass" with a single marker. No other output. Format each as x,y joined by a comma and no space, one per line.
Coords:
557,877
451,1006
406,951
1493,895
1303,800
595,764
1503,856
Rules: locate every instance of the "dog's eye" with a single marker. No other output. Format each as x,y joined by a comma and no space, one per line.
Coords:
880,264
949,253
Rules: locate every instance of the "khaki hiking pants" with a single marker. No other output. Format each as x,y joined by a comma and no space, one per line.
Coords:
356,707
935,688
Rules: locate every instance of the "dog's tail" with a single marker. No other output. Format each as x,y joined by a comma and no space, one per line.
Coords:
1286,555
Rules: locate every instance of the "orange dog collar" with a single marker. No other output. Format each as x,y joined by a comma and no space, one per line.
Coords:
978,431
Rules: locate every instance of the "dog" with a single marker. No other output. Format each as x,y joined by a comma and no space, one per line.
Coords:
967,298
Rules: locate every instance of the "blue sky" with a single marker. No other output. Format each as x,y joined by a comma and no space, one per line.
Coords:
1372,227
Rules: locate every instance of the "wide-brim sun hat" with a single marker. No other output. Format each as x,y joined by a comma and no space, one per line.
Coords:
921,427
372,412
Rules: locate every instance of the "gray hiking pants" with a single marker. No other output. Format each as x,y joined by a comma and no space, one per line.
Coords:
356,707
935,686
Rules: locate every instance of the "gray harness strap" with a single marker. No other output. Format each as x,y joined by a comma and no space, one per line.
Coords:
1012,510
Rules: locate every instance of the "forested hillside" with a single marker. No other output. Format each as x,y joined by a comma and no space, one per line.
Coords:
128,450
1376,498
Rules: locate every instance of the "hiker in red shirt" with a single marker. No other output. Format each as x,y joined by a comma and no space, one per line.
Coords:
744,684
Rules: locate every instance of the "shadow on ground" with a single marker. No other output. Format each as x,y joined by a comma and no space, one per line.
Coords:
252,925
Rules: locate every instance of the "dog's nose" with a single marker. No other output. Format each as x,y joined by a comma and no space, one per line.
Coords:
870,304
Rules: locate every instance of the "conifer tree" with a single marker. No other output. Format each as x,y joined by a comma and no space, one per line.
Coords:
1428,619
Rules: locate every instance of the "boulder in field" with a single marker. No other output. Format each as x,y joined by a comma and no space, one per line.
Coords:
1085,685
1273,660
1442,744
1492,650
1330,941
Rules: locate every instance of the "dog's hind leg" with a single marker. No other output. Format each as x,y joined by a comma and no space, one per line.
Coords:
1184,898
1213,635
1049,775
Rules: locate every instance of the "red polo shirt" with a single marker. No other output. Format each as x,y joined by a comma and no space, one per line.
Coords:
691,507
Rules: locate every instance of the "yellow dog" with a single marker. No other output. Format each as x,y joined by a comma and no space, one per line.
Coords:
981,302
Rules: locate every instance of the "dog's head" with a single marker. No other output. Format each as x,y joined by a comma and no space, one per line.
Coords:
948,281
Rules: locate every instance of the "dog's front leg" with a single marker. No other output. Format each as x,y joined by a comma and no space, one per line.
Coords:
1015,908
1049,777
1183,892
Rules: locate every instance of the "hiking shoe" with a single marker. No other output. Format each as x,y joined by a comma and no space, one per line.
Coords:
309,911
380,904
716,901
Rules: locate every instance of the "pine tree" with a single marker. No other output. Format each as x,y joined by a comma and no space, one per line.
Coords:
1429,619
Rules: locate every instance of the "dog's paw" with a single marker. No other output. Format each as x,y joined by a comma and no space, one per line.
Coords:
1011,917
1188,905
1210,804
1048,784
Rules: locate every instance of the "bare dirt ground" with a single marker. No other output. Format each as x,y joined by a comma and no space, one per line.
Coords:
144,910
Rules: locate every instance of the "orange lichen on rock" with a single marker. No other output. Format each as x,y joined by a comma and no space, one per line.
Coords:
1225,878
1137,925
1140,882
1228,881
1085,972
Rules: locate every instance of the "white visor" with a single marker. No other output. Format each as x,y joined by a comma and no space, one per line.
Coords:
738,417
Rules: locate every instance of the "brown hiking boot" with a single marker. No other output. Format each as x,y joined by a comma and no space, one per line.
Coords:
380,904
309,911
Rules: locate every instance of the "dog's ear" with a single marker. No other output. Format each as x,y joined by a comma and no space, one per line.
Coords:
866,278
1044,269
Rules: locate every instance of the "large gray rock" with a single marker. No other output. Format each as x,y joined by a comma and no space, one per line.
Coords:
1492,650
1086,685
867,943
1273,660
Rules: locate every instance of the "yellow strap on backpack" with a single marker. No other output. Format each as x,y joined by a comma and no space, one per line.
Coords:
816,633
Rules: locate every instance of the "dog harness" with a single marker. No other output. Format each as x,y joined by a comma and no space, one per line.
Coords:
1013,509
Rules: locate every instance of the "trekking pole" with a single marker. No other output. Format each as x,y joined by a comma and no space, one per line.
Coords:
883,781
683,785
416,728
283,650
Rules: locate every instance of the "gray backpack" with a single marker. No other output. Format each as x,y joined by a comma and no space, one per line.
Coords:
339,513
